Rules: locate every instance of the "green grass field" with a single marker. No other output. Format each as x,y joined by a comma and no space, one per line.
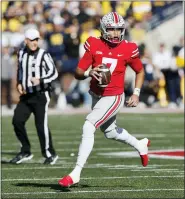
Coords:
105,175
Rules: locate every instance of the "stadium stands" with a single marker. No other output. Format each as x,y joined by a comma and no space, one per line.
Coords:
65,26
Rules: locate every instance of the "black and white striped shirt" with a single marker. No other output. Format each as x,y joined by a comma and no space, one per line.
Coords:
37,64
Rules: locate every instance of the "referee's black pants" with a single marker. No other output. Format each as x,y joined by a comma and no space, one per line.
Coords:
36,103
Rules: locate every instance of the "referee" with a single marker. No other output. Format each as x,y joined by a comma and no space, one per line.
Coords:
36,71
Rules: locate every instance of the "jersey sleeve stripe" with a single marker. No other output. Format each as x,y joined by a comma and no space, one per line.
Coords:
87,43
135,51
134,55
86,47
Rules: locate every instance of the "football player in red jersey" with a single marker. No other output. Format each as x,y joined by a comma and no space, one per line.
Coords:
112,50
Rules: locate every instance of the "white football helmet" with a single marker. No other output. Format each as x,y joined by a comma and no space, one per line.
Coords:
112,20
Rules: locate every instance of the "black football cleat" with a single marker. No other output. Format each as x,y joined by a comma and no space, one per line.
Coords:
51,160
21,157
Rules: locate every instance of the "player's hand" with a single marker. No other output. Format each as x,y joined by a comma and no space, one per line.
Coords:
35,81
94,73
133,101
20,89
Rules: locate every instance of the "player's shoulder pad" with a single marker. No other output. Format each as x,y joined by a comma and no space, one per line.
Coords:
132,48
90,42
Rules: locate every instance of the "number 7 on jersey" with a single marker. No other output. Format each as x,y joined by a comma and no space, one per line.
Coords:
111,61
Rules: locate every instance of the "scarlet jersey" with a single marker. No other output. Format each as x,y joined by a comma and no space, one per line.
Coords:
116,58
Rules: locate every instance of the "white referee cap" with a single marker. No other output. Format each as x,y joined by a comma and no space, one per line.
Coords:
32,34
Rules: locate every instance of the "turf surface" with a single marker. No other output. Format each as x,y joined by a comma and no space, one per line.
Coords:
104,176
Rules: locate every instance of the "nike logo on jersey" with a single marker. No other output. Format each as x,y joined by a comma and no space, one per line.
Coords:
119,55
99,52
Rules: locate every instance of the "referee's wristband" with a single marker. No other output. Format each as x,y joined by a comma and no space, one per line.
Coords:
137,91
86,73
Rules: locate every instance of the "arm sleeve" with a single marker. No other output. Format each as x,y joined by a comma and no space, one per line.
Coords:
134,60
52,73
136,64
87,58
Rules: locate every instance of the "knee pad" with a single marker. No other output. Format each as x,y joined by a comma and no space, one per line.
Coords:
111,134
88,129
114,133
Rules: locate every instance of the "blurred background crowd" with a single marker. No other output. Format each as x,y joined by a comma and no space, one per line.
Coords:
64,27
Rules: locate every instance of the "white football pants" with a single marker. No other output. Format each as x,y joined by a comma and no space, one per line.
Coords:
103,115
104,108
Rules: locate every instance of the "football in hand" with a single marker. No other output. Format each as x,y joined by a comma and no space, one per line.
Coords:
105,76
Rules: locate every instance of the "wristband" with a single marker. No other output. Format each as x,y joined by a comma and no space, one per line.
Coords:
137,91
86,73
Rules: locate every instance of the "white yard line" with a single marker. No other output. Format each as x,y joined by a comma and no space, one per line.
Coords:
30,168
99,141
158,170
71,149
92,178
153,134
147,170
69,166
99,191
94,166
156,149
